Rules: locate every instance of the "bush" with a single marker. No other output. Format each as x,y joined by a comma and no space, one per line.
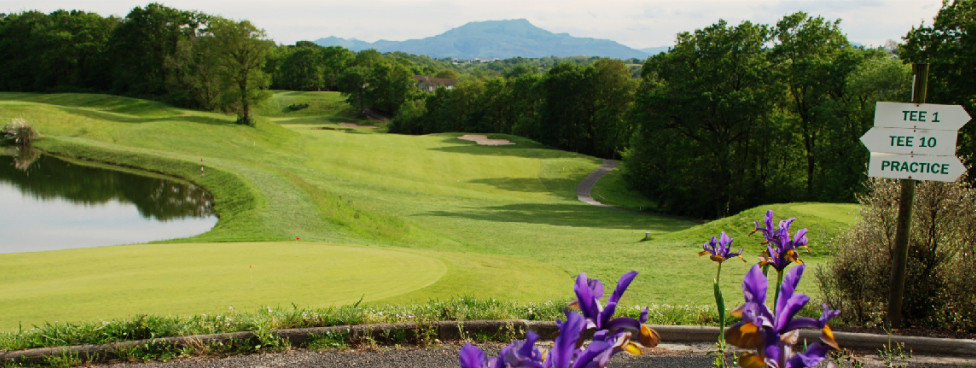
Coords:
941,268
18,132
296,107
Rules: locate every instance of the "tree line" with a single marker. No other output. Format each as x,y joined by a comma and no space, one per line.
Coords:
187,58
732,116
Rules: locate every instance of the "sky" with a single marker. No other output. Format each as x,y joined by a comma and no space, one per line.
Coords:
635,23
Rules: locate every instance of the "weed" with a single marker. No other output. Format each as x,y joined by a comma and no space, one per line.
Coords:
895,354
64,359
846,358
425,334
327,340
268,340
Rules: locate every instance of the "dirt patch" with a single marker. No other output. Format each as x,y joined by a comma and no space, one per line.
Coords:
484,140
353,125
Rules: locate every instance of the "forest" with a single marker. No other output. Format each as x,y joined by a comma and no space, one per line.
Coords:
732,116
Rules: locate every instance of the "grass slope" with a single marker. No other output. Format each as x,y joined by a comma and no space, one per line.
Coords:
489,222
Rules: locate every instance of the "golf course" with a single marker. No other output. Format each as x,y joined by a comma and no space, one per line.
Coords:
317,212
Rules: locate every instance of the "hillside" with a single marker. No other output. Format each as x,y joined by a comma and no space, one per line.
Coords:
328,214
496,39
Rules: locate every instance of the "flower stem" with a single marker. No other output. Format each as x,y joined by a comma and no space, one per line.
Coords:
779,282
720,304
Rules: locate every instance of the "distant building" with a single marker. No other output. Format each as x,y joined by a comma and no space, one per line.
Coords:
430,84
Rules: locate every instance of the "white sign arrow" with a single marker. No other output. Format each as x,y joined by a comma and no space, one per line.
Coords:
911,141
921,116
937,168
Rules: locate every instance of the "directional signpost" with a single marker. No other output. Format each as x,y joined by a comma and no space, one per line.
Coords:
922,116
912,141
915,141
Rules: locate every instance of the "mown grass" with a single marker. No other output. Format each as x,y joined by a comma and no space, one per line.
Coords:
494,222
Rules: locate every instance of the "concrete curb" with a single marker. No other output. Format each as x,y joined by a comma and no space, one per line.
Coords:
455,331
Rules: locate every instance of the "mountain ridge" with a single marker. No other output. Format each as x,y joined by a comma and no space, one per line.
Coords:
501,39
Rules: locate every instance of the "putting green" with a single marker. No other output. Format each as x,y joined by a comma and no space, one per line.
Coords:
178,279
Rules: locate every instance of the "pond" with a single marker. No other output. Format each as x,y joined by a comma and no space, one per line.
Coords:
50,204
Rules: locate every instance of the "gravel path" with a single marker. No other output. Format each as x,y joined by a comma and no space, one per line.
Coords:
444,355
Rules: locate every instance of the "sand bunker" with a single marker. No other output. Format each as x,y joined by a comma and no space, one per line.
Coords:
484,141
352,125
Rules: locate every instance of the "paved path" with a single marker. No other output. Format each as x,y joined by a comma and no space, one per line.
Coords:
585,188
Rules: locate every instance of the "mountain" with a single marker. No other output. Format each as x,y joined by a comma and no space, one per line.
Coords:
501,39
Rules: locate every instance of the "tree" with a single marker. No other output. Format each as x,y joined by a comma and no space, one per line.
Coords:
302,68
57,51
613,95
334,61
194,79
566,112
707,143
389,85
371,82
241,51
141,44
949,46
807,55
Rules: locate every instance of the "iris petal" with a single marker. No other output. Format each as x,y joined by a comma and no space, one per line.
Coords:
585,298
565,344
472,357
750,360
814,355
754,285
649,337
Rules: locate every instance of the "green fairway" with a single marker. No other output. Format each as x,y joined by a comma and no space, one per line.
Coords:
114,282
389,218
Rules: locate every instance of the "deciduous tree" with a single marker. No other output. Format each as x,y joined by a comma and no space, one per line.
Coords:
949,46
241,50
707,144
807,57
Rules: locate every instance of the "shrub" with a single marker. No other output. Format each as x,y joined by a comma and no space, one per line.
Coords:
296,107
18,132
941,266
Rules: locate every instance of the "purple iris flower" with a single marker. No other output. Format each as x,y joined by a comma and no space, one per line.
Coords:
719,248
564,347
566,354
472,357
773,335
780,247
598,317
520,353
612,335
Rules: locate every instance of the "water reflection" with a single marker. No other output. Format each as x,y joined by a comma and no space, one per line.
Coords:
47,203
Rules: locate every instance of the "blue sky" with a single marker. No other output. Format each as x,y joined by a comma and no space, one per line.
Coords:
635,23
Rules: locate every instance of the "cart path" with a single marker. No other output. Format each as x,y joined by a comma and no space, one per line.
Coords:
585,188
